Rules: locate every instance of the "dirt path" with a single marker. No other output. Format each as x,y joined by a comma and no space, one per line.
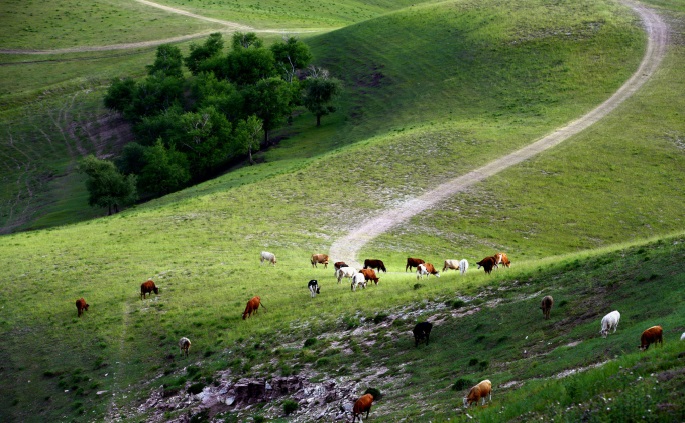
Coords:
347,247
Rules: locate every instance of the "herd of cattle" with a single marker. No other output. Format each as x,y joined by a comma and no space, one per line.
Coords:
422,330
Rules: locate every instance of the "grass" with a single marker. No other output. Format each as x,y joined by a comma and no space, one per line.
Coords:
37,25
404,126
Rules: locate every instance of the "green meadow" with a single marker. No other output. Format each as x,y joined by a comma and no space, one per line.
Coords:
433,90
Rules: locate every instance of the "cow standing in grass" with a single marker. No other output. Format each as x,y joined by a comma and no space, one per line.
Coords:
320,259
314,287
268,257
422,331
363,404
252,306
148,287
479,392
653,335
413,262
546,306
184,345
81,306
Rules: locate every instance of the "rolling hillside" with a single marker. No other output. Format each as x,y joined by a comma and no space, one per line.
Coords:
434,91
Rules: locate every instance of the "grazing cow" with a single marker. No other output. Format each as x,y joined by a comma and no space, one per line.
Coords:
269,257
148,287
370,275
184,345
546,305
479,392
339,264
345,272
422,331
358,279
413,262
501,258
361,405
320,259
451,264
463,266
314,287
252,305
81,306
374,264
608,322
653,335
426,269
487,264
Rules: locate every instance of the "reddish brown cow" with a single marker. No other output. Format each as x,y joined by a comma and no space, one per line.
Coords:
361,405
653,335
413,262
546,306
251,306
148,287
374,264
431,269
479,392
487,263
320,259
338,264
81,306
370,275
501,258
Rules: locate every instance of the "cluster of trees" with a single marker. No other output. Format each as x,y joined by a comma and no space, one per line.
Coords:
189,124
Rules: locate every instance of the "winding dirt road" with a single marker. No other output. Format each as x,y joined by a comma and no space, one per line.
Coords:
347,247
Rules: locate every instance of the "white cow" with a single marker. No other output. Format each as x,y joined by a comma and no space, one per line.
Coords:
314,287
461,265
345,272
421,271
608,322
268,257
682,337
358,279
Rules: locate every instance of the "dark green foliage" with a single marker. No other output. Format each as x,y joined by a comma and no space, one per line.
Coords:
462,383
375,392
289,406
107,187
165,170
418,286
379,318
247,65
310,342
269,99
291,55
168,62
320,95
199,54
196,388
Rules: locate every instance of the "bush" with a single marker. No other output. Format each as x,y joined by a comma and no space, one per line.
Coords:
289,406
473,362
375,392
196,388
418,286
379,318
462,383
310,342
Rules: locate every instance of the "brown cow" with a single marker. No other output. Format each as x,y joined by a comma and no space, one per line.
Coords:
81,306
338,264
184,345
370,275
320,258
487,263
374,264
251,306
501,258
361,405
546,305
479,392
413,262
653,335
148,287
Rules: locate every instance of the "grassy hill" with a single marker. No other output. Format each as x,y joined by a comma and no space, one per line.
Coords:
433,91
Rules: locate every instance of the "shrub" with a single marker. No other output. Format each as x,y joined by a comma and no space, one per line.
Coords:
418,286
196,388
379,318
289,406
473,362
310,342
462,383
375,392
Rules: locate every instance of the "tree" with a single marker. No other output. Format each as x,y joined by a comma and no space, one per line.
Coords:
246,66
291,55
247,134
320,93
107,187
246,40
200,54
119,96
270,101
205,139
168,61
165,170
